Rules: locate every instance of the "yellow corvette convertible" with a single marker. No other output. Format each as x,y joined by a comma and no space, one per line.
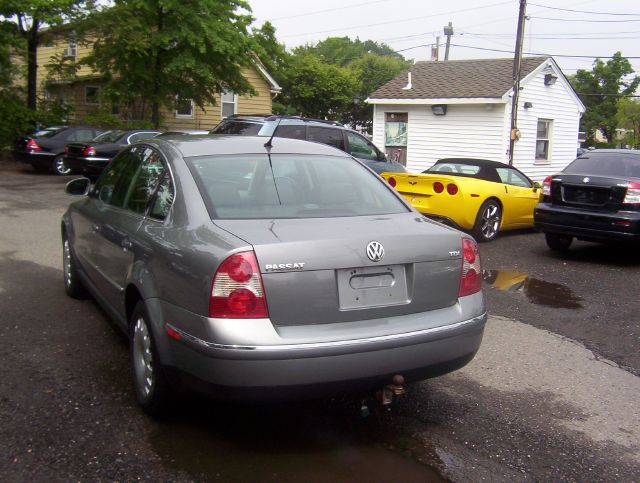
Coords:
477,195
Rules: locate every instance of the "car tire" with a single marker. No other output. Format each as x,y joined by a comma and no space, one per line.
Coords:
59,167
152,390
557,242
488,221
73,286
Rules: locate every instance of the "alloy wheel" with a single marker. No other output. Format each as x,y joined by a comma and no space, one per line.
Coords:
66,263
143,359
490,223
59,167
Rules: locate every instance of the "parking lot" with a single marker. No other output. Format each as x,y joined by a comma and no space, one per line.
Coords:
553,394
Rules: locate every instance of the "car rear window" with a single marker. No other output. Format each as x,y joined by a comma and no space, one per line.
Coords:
48,132
109,136
606,164
458,168
290,186
243,128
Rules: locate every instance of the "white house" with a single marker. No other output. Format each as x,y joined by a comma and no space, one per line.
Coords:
462,108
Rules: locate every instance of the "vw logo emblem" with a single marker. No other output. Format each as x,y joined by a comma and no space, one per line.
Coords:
375,251
586,180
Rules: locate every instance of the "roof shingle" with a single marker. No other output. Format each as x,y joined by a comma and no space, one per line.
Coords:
481,78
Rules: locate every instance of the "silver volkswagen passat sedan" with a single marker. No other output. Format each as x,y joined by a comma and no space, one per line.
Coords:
275,270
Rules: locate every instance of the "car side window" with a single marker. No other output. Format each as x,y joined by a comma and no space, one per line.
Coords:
292,132
326,135
359,147
513,177
81,135
163,199
145,180
106,184
124,183
141,136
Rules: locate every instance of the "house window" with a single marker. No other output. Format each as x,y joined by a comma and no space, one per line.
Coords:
229,102
184,107
92,95
71,51
543,139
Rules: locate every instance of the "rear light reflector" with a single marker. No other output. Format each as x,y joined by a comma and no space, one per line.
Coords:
237,291
452,189
89,151
66,150
32,145
438,187
633,193
471,278
546,186
392,182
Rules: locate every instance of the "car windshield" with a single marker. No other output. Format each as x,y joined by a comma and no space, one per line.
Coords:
244,128
109,136
606,164
48,132
454,167
290,186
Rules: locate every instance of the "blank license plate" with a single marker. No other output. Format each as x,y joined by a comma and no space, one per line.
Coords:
372,287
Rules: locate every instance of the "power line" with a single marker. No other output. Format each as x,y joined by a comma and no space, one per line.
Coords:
606,95
586,11
330,10
410,19
566,34
540,53
584,20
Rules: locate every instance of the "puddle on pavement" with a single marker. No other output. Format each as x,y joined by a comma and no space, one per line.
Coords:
536,291
290,442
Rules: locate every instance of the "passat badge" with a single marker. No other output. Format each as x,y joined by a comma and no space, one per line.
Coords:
281,267
375,251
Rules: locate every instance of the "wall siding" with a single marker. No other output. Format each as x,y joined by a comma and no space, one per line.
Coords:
554,102
466,131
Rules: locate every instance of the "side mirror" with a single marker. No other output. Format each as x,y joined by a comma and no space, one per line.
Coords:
78,187
536,186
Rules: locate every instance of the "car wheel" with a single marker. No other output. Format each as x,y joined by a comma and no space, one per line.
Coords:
152,390
73,286
557,242
59,167
488,221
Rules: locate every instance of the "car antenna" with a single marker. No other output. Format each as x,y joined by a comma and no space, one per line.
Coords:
268,144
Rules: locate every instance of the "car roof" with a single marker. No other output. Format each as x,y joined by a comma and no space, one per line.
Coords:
215,144
630,152
262,118
475,161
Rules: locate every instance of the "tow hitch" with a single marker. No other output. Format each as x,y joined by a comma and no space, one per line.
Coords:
386,395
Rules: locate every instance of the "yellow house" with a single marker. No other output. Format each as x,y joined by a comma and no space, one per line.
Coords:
84,93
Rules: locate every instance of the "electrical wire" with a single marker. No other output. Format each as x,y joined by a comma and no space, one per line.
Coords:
586,11
539,53
316,12
584,20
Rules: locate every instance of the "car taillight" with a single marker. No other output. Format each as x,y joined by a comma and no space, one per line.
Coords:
633,193
546,186
66,150
438,187
471,279
32,145
392,182
452,189
89,152
237,291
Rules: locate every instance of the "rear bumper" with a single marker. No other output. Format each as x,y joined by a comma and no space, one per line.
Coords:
284,371
41,159
588,225
91,165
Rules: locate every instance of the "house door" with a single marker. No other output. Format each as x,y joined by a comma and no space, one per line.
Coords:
395,136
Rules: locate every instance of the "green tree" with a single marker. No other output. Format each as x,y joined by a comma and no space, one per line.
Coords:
342,50
28,17
599,90
155,50
318,90
272,53
629,118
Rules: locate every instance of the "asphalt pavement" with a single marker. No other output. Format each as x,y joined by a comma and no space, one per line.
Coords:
553,394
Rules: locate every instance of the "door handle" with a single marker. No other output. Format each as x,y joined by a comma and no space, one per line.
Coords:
126,244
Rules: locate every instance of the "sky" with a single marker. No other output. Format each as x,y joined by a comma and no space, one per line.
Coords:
585,29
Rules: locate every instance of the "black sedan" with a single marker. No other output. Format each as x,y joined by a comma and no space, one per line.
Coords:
44,149
91,158
595,198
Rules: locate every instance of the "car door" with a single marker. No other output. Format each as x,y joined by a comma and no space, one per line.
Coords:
362,149
521,197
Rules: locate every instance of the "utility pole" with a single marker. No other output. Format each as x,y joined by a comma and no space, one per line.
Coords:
514,134
448,31
435,50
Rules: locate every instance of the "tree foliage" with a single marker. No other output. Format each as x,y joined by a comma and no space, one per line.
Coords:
155,50
28,17
599,90
629,118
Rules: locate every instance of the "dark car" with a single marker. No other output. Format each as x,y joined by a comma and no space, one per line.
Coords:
320,131
596,198
44,149
91,158
251,271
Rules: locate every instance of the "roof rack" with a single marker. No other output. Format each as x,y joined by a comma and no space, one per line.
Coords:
274,117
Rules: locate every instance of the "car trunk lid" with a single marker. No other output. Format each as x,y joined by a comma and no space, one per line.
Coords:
316,270
596,193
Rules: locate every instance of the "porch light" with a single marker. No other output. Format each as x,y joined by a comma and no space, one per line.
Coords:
550,79
439,109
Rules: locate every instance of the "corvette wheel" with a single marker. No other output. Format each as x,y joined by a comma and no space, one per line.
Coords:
488,221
